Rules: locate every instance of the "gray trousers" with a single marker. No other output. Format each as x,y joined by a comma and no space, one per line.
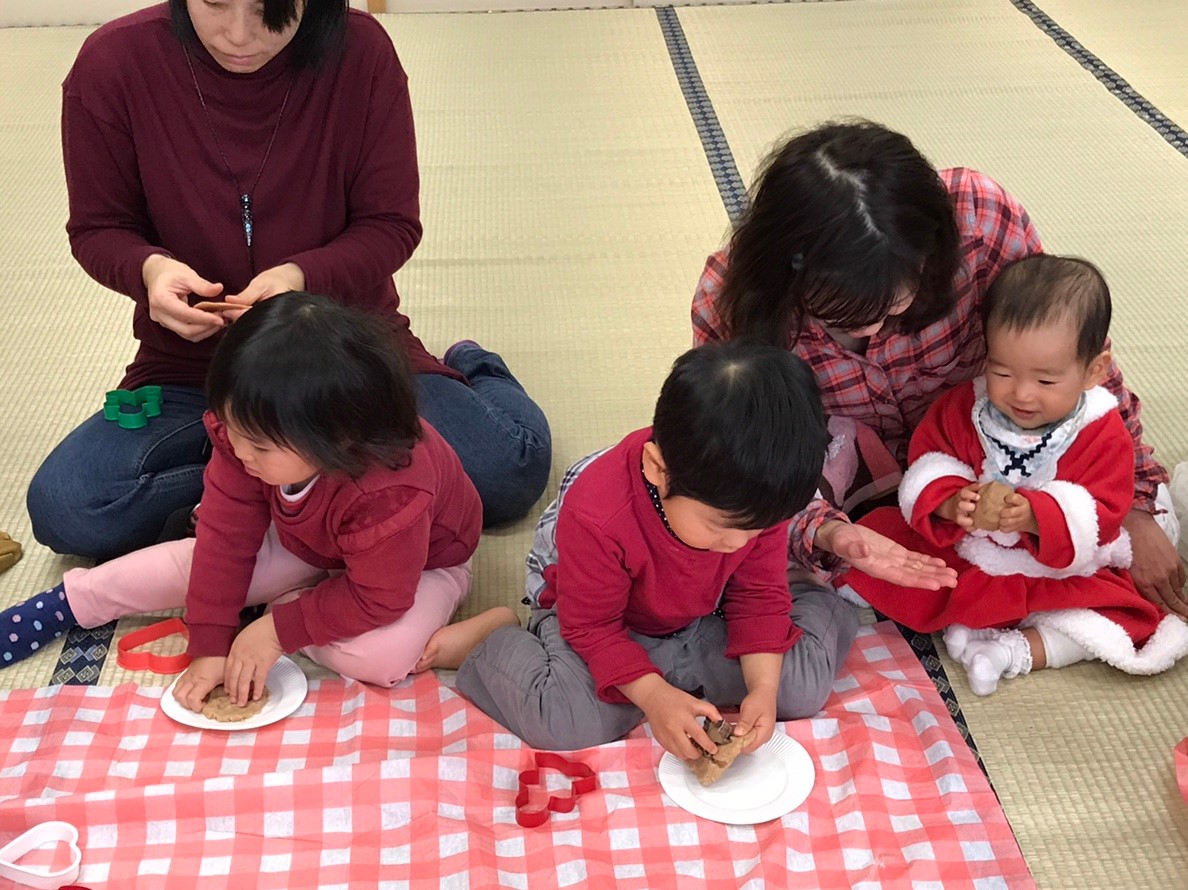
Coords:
533,683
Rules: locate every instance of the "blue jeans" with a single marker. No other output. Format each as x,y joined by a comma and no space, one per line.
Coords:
105,491
500,434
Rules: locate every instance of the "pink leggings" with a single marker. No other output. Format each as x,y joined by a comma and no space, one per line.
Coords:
156,578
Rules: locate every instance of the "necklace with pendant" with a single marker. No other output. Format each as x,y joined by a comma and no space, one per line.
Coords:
245,197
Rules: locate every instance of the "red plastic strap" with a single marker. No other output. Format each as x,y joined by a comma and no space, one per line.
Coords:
582,779
151,661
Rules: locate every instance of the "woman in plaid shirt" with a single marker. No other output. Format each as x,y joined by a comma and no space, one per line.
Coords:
870,265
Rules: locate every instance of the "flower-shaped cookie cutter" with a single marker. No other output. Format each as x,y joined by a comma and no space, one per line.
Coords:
151,661
43,835
132,409
582,779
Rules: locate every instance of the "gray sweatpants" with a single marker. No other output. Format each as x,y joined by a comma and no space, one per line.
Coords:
532,681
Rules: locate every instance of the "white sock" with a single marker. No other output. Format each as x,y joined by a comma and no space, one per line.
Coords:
989,660
957,637
1062,650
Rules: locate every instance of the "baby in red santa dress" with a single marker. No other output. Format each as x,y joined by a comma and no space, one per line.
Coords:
1043,576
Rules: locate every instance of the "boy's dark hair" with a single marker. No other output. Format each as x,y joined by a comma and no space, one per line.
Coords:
1043,288
842,218
328,382
320,35
740,427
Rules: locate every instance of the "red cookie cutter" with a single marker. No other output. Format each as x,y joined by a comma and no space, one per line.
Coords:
582,779
151,661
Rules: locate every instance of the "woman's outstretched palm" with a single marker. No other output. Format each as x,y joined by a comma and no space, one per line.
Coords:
880,557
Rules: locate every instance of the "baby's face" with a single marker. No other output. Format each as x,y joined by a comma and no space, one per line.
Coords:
1034,376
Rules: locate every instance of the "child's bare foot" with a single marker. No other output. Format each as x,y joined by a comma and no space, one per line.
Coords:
450,645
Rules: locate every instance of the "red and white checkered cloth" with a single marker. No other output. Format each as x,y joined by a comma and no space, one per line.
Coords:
414,787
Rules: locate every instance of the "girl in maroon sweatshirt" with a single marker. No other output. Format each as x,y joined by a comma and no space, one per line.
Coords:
326,497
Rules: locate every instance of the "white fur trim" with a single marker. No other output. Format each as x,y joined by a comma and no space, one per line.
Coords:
995,555
927,469
1168,520
1080,516
1110,643
1099,402
995,560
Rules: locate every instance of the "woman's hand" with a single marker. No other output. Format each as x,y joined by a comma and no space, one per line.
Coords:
169,284
252,656
203,675
269,283
674,715
1156,567
880,557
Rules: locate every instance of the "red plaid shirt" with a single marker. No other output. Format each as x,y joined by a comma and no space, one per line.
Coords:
891,386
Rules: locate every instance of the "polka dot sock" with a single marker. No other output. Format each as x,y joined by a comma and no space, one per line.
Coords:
25,628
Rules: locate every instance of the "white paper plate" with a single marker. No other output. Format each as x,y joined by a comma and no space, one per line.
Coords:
286,686
762,785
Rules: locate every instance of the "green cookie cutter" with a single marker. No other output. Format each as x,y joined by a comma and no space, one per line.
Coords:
131,409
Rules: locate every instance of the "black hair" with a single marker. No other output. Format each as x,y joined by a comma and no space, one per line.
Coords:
740,427
328,382
841,219
1043,288
321,34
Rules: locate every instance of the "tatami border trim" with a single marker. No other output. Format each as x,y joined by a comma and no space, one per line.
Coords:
1169,130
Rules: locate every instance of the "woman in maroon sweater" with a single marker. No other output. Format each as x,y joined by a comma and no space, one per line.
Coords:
230,152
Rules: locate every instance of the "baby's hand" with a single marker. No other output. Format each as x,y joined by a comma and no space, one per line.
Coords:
1017,515
967,502
203,675
959,508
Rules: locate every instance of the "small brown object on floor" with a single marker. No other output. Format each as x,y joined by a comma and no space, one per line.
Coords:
709,767
990,502
10,552
208,306
220,707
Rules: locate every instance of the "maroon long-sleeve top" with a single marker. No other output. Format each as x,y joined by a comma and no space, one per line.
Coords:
382,530
337,195
619,570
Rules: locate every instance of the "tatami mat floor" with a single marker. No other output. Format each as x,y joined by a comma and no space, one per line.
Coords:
569,204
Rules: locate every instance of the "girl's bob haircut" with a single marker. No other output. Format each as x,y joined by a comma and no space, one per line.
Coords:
325,381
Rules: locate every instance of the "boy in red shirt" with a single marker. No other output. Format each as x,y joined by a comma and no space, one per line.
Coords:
659,585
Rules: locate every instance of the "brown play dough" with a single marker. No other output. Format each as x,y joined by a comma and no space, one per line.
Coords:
990,502
10,551
709,767
220,707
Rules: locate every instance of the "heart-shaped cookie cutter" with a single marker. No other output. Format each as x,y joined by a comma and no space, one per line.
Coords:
151,661
131,409
35,838
582,779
